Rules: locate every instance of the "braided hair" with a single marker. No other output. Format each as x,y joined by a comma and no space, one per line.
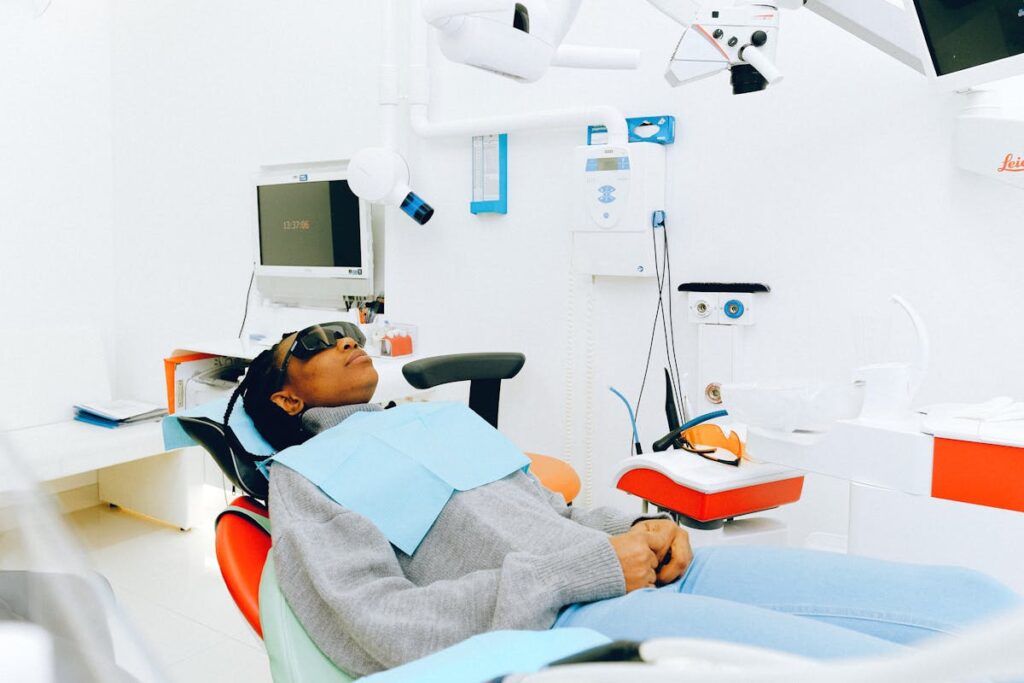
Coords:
262,380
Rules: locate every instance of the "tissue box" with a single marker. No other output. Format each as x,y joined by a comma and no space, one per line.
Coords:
396,346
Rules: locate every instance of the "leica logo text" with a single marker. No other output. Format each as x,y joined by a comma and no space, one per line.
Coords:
1012,164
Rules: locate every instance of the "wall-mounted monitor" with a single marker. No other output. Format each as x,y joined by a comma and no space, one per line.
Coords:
314,239
970,42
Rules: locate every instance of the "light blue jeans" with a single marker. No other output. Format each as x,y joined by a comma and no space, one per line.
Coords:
803,602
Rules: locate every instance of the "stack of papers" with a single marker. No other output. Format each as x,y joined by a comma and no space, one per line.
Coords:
112,414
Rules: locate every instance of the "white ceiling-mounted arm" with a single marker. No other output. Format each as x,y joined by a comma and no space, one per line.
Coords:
520,40
877,22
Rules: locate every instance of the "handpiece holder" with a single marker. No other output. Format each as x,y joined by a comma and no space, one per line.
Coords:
764,65
889,388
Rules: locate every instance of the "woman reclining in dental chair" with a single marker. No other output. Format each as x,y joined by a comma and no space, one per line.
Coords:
387,553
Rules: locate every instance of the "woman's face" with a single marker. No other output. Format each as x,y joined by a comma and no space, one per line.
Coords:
338,376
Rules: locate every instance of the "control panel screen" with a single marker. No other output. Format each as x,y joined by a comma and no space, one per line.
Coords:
607,164
311,224
963,34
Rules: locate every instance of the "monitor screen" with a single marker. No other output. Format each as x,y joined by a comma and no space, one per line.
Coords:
963,34
310,224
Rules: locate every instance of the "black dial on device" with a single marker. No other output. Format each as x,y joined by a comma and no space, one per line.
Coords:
759,38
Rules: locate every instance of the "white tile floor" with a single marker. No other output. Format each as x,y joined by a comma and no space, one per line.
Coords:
170,588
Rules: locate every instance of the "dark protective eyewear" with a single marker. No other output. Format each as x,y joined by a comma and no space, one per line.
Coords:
707,453
316,338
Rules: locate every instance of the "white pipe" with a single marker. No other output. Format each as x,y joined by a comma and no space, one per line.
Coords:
419,98
610,117
388,94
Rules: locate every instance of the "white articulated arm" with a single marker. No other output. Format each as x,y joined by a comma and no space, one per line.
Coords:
877,22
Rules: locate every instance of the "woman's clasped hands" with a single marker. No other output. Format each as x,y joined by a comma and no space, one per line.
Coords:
653,553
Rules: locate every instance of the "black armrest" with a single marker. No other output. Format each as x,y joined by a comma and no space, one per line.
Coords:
460,367
484,372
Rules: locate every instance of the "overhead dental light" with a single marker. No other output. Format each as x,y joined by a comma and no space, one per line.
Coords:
740,36
517,39
381,176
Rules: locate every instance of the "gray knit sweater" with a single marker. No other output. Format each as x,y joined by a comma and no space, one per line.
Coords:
507,555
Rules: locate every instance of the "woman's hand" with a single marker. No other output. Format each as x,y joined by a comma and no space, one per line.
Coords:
671,544
637,557
653,553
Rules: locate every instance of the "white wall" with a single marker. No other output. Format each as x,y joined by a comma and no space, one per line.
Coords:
204,93
56,180
55,166
835,188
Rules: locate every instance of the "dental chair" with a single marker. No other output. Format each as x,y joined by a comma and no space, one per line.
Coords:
243,541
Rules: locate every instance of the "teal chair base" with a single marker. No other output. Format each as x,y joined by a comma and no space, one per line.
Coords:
294,657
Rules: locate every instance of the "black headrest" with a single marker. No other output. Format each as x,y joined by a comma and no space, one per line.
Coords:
222,444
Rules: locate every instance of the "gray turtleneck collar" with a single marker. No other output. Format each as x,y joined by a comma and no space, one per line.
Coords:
316,420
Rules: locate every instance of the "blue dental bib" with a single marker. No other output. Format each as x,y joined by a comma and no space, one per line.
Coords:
399,467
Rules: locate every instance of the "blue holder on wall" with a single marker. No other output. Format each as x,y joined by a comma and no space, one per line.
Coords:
665,134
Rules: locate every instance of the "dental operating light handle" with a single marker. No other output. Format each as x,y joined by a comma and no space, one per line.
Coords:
760,61
587,57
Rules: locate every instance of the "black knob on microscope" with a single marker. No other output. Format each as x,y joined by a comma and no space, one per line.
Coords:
759,38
